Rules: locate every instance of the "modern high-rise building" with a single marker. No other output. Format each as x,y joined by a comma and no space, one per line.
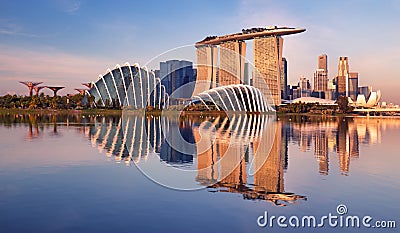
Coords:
284,78
267,54
231,63
346,81
365,90
247,74
175,74
320,80
353,85
321,74
305,87
207,68
342,78
323,62
330,94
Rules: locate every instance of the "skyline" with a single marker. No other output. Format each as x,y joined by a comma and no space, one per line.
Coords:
70,42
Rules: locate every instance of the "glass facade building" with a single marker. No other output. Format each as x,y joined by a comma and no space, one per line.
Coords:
132,87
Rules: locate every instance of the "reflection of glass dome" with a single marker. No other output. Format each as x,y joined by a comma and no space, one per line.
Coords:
235,97
129,86
372,101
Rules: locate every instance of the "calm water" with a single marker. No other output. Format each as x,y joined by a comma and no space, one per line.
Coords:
85,173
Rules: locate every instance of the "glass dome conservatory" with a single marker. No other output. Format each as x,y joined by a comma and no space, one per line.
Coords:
133,87
237,97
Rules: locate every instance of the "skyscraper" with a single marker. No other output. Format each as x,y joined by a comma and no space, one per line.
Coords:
305,87
346,81
267,54
175,74
323,62
321,74
320,81
207,68
353,85
342,78
231,62
268,63
284,78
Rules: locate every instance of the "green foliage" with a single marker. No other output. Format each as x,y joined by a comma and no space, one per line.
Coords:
307,108
77,101
343,105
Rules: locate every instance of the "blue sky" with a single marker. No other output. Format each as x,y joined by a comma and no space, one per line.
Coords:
66,42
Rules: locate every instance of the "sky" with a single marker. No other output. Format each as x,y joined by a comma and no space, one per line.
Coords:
68,42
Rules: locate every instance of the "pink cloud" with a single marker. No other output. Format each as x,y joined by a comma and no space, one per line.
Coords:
50,66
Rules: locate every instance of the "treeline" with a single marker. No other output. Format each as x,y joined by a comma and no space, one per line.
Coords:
42,101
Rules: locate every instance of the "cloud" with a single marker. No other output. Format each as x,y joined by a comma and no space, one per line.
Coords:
69,6
48,65
8,27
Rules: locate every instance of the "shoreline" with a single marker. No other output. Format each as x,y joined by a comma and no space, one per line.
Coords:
159,113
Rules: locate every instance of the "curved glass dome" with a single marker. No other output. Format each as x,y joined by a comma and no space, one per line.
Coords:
237,97
129,86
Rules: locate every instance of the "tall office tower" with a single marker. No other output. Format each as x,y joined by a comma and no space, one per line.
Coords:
267,53
320,80
321,74
330,94
175,74
207,56
305,87
231,63
323,62
246,74
365,90
284,78
342,78
353,85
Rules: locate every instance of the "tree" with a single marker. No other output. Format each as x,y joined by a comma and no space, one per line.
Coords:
343,104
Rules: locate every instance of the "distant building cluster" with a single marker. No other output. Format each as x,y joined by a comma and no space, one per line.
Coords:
345,83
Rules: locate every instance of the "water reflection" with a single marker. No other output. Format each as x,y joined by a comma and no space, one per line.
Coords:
239,154
224,158
341,136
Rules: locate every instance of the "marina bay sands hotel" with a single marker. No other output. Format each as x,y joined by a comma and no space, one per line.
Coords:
267,60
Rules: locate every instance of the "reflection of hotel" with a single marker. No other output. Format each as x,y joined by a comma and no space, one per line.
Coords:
241,154
224,166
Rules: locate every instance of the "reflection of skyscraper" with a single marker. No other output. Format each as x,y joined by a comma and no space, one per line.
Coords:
284,144
321,151
225,160
347,144
269,177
